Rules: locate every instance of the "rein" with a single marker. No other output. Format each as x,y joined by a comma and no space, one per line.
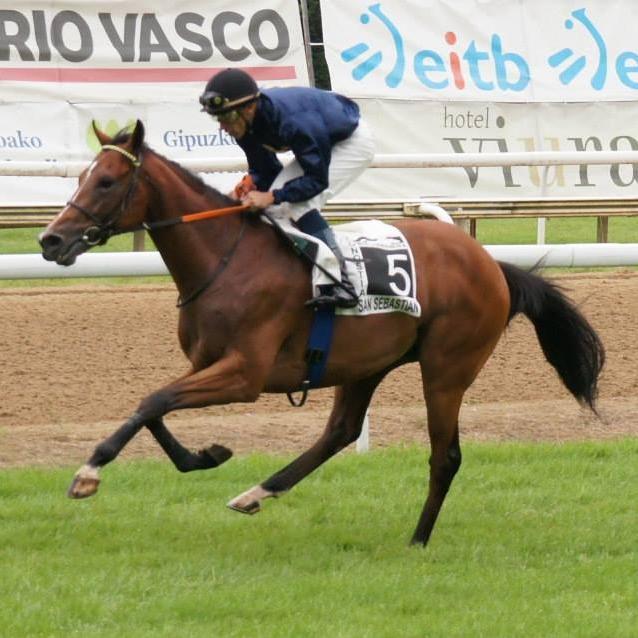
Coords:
193,217
221,265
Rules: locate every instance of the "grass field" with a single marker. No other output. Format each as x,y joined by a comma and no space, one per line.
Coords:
535,540
567,230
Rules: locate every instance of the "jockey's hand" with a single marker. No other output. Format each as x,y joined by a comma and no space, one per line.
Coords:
243,187
258,200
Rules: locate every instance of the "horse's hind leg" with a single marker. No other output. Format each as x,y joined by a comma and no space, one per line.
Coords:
445,459
343,427
449,362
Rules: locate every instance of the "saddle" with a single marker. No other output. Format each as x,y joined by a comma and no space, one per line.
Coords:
379,262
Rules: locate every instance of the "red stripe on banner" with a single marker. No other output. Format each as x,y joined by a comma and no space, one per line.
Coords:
156,75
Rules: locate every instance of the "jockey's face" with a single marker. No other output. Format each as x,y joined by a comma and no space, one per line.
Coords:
236,122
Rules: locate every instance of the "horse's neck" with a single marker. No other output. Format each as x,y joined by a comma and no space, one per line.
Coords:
189,250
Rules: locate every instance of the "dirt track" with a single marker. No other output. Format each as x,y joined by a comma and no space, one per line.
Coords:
77,360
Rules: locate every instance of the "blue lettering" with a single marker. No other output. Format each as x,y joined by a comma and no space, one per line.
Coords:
179,139
626,64
501,60
169,138
421,69
473,56
490,69
20,140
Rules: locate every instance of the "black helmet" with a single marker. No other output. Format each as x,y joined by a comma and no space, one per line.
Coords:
227,90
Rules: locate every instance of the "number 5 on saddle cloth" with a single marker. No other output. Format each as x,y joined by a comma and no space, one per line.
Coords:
380,266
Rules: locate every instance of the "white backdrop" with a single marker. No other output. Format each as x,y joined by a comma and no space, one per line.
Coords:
64,63
537,75
488,76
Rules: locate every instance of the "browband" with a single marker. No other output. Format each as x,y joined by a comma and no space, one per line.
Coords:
111,147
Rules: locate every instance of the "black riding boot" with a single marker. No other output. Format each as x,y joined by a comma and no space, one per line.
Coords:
341,294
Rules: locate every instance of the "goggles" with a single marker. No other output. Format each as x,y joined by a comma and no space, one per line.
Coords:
212,102
221,107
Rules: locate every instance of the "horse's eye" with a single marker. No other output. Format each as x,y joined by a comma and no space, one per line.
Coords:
105,183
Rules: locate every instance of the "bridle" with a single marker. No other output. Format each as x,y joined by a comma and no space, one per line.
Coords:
104,229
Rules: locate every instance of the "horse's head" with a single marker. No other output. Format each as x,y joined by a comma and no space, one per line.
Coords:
108,200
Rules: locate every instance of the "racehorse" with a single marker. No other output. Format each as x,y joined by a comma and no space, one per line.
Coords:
244,327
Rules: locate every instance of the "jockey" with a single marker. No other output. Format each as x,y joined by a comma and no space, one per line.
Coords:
330,142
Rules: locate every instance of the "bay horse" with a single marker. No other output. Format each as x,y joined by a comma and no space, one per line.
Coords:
244,327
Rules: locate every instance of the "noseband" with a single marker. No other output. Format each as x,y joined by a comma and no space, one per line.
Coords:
104,229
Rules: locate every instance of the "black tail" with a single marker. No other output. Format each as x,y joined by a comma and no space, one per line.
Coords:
568,341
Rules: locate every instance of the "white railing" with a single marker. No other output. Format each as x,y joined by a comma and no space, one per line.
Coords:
139,264
22,266
20,168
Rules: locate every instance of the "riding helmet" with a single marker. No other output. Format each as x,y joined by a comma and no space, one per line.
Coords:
228,90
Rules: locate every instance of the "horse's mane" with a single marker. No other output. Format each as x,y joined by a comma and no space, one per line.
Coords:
193,180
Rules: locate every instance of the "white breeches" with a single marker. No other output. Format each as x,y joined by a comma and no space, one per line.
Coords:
348,160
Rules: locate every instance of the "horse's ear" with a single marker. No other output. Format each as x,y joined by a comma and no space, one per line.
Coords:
102,137
136,139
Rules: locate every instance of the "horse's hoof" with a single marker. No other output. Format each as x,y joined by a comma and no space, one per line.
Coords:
250,501
83,487
247,508
216,454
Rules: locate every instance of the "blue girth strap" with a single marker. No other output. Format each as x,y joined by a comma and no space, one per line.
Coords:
317,351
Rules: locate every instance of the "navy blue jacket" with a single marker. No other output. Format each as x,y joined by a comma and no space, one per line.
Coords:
306,121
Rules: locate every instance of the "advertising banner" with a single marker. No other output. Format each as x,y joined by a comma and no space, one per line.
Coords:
485,50
416,126
457,76
64,64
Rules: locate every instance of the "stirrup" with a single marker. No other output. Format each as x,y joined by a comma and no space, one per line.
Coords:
336,297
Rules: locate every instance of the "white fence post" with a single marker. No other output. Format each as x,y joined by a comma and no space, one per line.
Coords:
363,442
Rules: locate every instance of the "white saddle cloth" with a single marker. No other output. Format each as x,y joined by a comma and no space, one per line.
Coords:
380,266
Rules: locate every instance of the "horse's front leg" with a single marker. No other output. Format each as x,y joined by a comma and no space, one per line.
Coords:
183,459
86,479
229,380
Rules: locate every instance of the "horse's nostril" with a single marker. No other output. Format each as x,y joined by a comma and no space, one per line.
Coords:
49,240
51,245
